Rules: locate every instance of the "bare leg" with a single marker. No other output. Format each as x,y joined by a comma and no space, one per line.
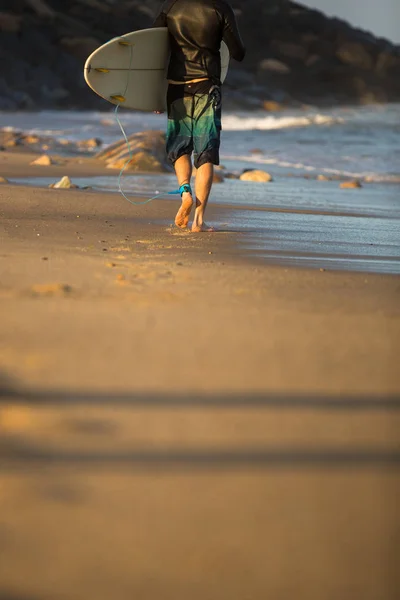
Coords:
183,170
204,179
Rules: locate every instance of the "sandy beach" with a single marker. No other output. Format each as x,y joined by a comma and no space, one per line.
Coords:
180,419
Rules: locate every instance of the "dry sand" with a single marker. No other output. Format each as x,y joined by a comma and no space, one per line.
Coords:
181,422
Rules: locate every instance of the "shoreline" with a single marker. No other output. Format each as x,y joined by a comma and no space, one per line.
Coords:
104,252
332,229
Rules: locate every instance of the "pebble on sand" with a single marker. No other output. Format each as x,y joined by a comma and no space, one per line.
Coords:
256,175
43,161
64,182
351,185
91,144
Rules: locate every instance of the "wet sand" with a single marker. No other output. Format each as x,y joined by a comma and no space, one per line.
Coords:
180,420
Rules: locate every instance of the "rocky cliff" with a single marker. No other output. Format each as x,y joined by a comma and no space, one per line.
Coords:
295,55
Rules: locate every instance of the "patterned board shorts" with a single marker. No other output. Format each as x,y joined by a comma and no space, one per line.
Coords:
194,122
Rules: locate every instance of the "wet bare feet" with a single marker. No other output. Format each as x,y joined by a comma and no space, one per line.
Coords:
183,214
201,227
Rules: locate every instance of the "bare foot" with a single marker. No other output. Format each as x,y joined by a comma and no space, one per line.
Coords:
183,214
197,228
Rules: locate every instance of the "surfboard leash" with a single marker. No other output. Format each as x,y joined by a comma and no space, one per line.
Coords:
120,99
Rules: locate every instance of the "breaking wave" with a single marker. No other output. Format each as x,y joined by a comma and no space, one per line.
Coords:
267,123
365,175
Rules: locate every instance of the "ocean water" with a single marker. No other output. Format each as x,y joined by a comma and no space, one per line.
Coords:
356,142
295,219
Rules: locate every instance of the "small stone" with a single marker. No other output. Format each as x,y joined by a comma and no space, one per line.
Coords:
91,144
256,175
351,185
44,258
64,183
42,161
111,264
3,180
31,139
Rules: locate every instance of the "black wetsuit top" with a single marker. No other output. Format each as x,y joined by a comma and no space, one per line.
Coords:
196,29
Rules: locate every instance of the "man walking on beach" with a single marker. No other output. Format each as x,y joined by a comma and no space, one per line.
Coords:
196,29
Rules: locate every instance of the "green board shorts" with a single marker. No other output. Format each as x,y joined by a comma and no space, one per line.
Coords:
194,122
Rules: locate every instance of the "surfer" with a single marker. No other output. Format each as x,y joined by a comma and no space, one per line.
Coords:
194,99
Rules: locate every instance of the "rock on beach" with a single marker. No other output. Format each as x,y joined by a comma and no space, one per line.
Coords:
43,161
256,175
146,152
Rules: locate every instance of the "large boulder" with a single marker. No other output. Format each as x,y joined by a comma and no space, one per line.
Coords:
356,55
387,63
274,66
146,153
288,50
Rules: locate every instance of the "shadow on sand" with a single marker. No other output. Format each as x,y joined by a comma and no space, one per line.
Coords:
5,595
16,452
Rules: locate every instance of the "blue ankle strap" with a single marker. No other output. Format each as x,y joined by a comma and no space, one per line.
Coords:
185,188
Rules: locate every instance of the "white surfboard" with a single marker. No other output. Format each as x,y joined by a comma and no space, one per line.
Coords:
131,70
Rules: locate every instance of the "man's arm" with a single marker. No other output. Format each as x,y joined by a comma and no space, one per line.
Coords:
161,20
231,35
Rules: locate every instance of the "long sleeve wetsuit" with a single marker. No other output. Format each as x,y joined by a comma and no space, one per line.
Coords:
196,29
